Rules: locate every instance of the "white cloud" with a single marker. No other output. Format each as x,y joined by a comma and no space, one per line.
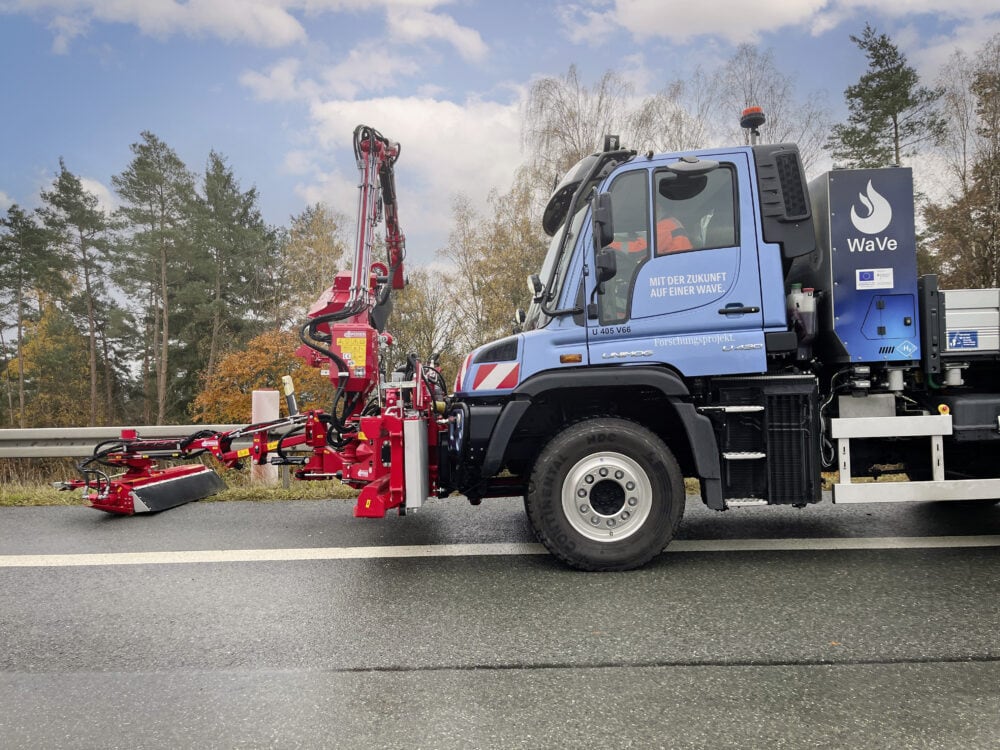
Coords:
903,8
739,21
298,162
66,29
268,23
368,67
414,25
105,198
930,55
332,189
585,23
280,82
735,20
5,201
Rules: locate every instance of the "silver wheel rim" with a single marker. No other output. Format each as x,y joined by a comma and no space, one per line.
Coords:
607,497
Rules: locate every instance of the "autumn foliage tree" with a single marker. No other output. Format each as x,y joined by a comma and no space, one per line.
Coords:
493,255
56,371
426,321
226,394
965,228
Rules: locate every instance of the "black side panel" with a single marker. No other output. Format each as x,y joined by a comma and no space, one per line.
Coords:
786,217
768,433
932,323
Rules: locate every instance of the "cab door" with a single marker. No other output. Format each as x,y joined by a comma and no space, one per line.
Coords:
686,291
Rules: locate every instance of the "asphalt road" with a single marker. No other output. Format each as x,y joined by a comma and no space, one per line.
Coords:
803,645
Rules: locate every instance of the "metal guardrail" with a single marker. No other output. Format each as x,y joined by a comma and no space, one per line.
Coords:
77,442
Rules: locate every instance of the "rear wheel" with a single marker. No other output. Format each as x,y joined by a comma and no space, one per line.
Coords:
605,494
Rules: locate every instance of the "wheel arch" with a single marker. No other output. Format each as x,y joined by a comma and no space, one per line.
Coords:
654,397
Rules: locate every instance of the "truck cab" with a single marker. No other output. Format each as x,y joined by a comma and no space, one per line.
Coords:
665,274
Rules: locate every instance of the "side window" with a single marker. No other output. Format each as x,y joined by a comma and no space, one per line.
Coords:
695,212
630,211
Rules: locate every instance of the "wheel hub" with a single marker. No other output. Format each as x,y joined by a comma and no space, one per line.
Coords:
607,496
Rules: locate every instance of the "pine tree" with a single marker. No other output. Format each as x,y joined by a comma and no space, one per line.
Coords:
28,270
225,299
78,230
891,114
157,191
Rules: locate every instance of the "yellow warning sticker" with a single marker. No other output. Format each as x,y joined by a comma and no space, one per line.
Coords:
353,350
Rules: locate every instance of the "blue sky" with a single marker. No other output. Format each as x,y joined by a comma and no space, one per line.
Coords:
277,86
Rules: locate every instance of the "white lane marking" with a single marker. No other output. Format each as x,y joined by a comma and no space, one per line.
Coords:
268,555
477,550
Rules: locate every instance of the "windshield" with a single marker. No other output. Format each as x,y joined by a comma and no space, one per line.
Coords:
551,256
571,194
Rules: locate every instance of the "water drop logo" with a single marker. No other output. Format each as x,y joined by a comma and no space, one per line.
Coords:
879,212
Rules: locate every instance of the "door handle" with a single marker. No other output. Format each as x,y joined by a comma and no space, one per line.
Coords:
736,308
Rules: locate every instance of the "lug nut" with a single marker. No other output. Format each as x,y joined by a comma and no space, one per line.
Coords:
584,508
619,475
633,501
630,486
603,472
581,492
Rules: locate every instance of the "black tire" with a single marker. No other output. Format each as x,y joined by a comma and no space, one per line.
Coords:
605,494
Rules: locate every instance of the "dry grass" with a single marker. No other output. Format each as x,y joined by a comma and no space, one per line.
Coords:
32,485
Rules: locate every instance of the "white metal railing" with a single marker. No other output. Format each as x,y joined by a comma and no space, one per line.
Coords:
77,442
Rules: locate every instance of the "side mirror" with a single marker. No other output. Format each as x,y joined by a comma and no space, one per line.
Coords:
535,287
604,231
607,266
520,316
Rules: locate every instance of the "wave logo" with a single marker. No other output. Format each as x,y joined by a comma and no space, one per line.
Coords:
879,212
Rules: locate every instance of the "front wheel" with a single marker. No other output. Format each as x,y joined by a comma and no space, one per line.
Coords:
605,494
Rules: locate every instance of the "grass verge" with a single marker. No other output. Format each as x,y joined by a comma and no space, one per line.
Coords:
20,494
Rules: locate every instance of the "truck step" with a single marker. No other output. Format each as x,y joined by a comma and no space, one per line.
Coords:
743,455
744,502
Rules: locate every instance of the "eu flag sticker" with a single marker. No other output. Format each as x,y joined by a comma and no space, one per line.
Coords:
873,278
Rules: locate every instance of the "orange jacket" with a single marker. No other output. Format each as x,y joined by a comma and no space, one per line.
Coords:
670,238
